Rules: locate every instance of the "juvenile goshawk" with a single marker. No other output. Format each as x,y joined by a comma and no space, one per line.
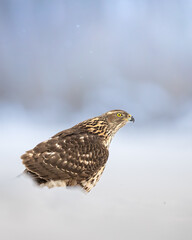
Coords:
76,156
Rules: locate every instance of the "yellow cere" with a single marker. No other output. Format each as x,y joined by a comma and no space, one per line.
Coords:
118,114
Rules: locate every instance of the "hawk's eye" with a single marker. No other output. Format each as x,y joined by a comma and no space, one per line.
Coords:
118,114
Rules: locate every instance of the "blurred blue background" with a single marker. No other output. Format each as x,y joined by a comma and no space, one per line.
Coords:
64,61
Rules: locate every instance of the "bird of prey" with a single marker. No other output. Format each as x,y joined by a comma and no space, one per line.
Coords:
76,156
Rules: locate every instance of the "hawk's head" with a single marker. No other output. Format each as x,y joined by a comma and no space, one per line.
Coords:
117,119
107,124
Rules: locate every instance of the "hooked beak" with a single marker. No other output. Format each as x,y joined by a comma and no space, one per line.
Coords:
132,119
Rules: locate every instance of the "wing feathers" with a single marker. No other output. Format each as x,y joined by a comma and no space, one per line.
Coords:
74,157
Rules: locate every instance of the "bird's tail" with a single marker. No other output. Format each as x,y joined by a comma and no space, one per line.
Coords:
34,176
21,174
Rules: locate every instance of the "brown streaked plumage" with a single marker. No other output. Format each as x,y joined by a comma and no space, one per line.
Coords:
76,156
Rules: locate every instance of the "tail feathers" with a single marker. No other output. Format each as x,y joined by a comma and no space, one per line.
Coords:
34,176
20,175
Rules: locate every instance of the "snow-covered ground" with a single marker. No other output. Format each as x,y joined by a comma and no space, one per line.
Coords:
144,193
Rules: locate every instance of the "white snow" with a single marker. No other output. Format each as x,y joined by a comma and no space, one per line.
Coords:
144,192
